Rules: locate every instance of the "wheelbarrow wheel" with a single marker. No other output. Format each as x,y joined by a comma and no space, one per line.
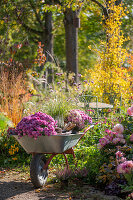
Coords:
38,175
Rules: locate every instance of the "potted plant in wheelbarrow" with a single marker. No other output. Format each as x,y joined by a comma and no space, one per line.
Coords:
39,134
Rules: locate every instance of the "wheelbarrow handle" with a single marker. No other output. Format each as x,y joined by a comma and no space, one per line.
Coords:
88,128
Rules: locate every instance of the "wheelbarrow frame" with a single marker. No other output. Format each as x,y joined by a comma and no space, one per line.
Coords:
59,144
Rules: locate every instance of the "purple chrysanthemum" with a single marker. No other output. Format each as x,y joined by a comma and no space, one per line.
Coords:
79,118
36,125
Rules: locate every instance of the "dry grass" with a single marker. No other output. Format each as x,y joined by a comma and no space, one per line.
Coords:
13,94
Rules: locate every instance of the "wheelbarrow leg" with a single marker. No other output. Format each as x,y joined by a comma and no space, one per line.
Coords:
69,151
66,160
49,160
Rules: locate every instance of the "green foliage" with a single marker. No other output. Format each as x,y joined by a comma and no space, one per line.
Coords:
12,154
5,122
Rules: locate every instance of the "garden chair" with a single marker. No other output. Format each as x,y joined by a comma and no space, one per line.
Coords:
86,102
114,99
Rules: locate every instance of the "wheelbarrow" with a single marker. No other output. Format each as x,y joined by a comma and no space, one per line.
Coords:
54,145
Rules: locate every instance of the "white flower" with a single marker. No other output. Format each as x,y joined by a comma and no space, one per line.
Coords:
118,128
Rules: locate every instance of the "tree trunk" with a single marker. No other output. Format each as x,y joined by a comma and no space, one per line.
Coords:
48,40
48,44
71,38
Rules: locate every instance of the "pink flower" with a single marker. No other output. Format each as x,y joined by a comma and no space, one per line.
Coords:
131,137
108,131
119,157
99,146
109,137
116,140
130,111
103,141
125,167
122,159
132,108
79,118
118,128
130,196
119,154
120,135
123,141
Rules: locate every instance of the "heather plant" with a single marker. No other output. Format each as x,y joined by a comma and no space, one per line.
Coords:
64,174
70,173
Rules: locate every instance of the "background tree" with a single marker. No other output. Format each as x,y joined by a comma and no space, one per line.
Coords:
25,31
33,22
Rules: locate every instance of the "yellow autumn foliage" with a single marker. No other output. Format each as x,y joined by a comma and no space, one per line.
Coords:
109,75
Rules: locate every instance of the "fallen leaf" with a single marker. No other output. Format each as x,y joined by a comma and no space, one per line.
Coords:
48,186
37,191
44,189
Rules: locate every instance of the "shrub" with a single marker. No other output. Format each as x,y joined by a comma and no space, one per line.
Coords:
12,154
117,147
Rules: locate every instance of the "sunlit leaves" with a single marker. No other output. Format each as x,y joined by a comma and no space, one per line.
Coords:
110,75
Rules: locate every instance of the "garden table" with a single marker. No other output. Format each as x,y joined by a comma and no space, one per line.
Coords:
101,108
100,105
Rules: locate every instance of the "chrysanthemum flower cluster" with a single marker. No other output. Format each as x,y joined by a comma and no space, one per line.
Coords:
130,110
116,135
113,137
79,118
124,166
36,125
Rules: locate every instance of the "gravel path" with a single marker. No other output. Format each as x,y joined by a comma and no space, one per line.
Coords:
17,186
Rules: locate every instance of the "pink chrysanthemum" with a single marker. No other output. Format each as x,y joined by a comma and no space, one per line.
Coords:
118,128
125,167
131,137
130,111
79,118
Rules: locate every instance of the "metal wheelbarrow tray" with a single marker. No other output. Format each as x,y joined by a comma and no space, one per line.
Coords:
49,144
54,145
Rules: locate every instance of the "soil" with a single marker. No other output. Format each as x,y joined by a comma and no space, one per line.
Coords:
16,185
